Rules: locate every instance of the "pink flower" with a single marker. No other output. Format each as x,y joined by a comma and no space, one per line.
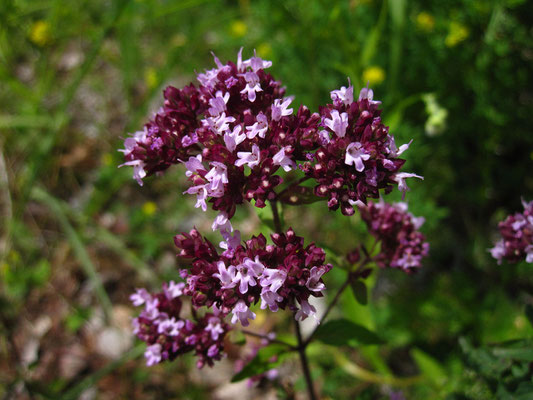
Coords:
273,279
227,276
257,63
400,179
153,354
217,176
314,282
252,85
259,128
140,297
214,327
280,158
343,95
306,310
170,327
172,289
242,313
251,159
279,109
234,138
337,123
355,155
218,103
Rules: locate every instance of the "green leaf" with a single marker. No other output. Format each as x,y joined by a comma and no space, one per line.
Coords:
529,313
79,316
482,360
266,218
524,391
518,353
360,292
372,40
262,362
429,367
343,332
237,338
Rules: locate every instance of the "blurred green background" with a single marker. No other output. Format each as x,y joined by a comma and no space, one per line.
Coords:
77,235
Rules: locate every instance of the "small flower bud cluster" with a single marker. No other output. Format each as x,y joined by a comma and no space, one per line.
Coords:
233,133
168,335
517,237
165,139
280,275
357,157
402,245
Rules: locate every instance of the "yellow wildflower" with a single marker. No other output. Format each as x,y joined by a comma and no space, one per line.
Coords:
178,40
40,33
151,78
457,33
238,28
374,75
425,21
264,50
149,208
107,159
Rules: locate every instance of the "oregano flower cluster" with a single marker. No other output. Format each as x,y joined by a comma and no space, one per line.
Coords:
402,245
168,334
356,156
237,134
280,275
233,132
516,243
237,129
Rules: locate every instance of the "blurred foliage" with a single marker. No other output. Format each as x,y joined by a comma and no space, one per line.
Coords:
455,76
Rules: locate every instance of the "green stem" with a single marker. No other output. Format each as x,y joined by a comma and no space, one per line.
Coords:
305,363
301,344
349,278
275,216
291,185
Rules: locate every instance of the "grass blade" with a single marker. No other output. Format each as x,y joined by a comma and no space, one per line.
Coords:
372,41
77,246
25,121
397,12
